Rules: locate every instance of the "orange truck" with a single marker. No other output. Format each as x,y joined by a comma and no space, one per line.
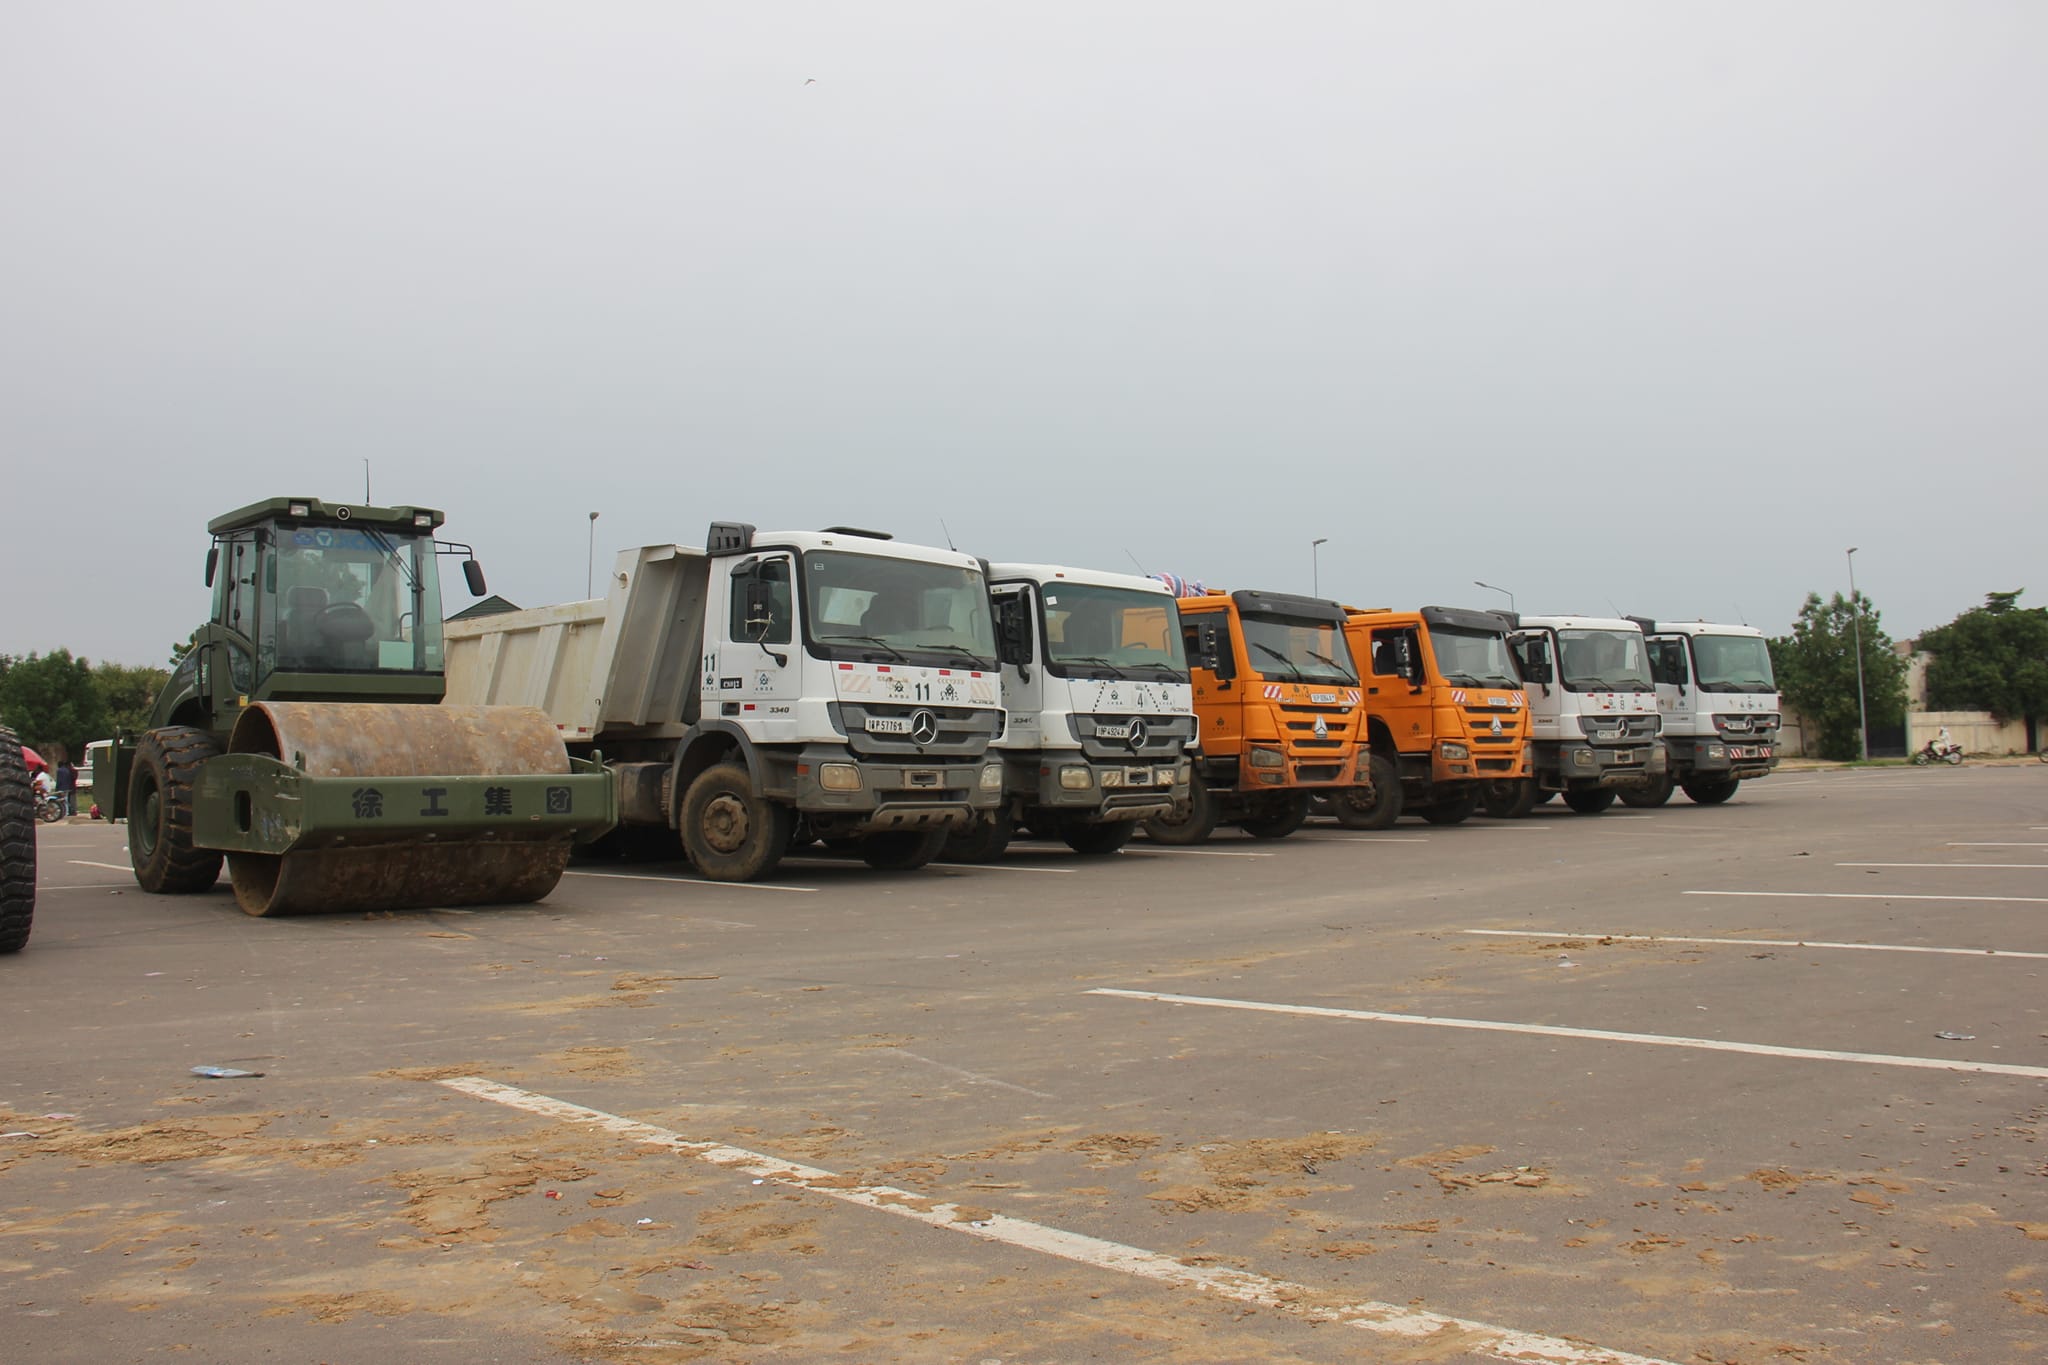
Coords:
1445,714
1277,707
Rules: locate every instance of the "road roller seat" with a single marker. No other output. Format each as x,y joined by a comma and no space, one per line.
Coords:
298,629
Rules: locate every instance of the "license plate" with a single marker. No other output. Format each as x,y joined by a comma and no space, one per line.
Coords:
1112,732
888,725
1323,698
1137,777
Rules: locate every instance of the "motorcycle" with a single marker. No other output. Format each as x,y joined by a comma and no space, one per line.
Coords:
49,809
1936,752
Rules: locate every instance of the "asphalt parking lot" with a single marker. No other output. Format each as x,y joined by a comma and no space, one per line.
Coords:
1764,1082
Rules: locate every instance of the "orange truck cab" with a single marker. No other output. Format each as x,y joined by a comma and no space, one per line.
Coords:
1277,708
1445,714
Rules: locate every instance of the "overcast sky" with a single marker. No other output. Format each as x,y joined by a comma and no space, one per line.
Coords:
1614,305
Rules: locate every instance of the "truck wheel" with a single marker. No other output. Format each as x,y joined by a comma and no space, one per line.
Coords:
17,847
1590,800
1455,809
1712,793
1097,839
1644,798
1511,798
1190,825
160,812
730,833
1278,817
902,850
983,841
1358,808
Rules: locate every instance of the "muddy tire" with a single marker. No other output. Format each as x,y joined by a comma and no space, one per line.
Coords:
1455,809
902,850
1357,808
1278,818
17,846
981,842
1646,798
1711,793
160,804
1590,801
730,833
1191,825
1095,840
1510,799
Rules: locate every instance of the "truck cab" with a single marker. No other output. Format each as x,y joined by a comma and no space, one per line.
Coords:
1446,713
1720,707
1593,713
1099,709
1277,700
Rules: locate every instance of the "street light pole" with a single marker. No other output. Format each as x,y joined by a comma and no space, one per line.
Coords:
1511,597
1856,621
1315,557
590,559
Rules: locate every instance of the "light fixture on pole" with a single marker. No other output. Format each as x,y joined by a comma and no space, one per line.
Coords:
590,559
1315,566
1490,588
1856,622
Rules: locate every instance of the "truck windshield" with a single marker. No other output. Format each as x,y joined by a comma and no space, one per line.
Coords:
884,610
1604,660
350,599
1473,658
1297,648
1732,663
1097,632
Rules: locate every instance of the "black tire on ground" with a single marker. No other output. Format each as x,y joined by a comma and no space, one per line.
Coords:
160,812
1278,817
1645,798
730,833
983,841
902,850
17,847
1454,809
1712,793
1356,808
1544,798
1190,826
1510,799
1590,800
1098,839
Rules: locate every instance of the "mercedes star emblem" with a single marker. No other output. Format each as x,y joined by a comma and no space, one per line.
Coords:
924,728
1136,737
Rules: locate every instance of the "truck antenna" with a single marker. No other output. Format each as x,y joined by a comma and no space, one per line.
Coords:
366,481
1134,559
949,535
1740,614
1616,610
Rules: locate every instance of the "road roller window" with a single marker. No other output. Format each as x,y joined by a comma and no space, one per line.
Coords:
355,600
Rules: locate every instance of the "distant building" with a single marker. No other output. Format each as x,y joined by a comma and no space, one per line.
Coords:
493,605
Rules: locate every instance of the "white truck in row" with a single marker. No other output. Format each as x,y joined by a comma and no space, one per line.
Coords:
1720,709
772,689
1594,726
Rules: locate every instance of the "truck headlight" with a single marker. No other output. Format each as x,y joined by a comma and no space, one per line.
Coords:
1075,777
1585,758
992,778
1717,751
1263,757
839,777
1456,751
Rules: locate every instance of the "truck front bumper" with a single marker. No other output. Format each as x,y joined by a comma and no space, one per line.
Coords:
1579,764
884,796
1751,756
1070,783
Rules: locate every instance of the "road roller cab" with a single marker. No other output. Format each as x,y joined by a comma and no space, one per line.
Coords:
299,736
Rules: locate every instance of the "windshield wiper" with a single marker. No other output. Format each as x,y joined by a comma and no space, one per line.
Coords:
876,640
1326,659
1096,659
1466,678
1292,666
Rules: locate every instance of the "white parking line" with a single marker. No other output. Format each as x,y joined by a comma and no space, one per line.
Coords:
2006,866
113,867
974,1076
1598,1035
1365,838
1953,844
1150,849
1292,1300
687,881
997,867
80,886
1870,896
1758,942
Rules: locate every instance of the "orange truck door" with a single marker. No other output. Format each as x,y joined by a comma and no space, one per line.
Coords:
1394,690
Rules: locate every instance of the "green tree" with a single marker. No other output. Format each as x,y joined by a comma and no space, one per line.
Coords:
1991,658
49,699
1816,668
127,691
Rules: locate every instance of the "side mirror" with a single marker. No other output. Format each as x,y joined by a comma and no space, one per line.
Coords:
1539,671
1213,648
760,600
212,563
473,574
1013,631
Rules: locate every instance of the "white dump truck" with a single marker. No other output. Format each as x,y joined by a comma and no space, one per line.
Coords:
1592,713
768,689
1100,710
1720,707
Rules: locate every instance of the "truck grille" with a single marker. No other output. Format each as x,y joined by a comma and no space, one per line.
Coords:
1165,737
962,731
